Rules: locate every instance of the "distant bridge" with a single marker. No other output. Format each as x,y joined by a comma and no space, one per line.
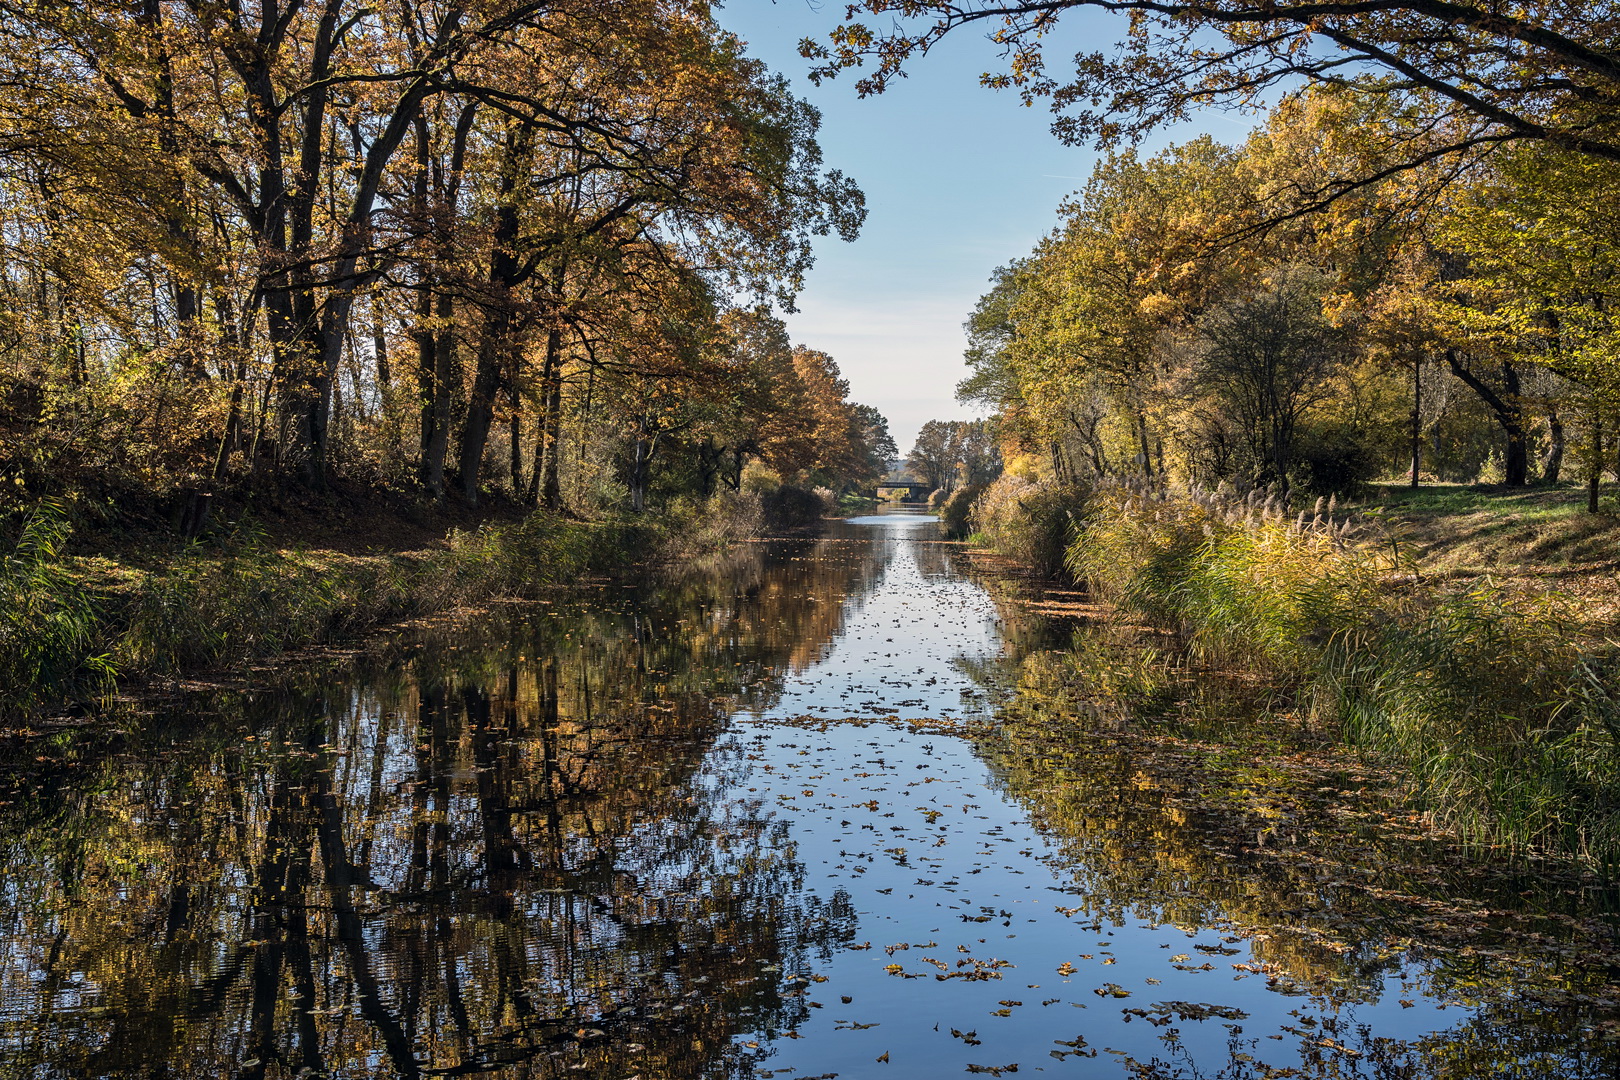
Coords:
904,490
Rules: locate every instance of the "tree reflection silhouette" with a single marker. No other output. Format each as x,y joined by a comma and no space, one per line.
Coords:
490,848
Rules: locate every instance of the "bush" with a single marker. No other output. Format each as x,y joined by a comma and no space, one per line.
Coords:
1336,460
957,510
1029,520
691,528
49,619
793,507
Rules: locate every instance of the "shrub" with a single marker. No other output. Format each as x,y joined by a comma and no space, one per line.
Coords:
691,528
957,510
1334,460
793,507
49,619
1029,520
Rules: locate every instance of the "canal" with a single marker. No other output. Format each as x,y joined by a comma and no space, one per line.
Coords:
836,806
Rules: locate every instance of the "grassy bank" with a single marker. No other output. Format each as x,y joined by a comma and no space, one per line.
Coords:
1495,702
76,625
1468,530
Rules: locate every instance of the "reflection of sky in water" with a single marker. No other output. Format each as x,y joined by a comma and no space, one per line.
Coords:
1000,962
896,650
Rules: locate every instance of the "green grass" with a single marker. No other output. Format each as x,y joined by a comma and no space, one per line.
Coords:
73,624
70,625
1475,529
1496,703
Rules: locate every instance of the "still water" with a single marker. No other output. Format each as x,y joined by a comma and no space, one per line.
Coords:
833,808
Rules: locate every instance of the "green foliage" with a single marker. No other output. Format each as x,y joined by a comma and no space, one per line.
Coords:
957,510
1028,520
1504,724
48,617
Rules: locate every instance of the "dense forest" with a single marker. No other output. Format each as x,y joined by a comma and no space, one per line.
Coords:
528,248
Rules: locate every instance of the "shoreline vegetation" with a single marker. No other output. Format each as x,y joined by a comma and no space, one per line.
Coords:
1489,695
79,626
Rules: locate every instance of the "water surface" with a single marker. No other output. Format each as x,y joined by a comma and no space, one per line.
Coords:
831,808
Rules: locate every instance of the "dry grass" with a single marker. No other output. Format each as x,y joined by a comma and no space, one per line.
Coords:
1479,529
1525,542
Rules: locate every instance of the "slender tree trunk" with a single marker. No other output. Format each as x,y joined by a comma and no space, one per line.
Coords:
1594,472
638,476
1509,415
551,423
435,357
1552,465
1417,419
515,447
379,356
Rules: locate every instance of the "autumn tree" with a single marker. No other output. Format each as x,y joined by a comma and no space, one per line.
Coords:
338,237
1268,359
1483,74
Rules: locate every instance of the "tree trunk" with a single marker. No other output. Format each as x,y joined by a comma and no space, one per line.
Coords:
638,476
709,458
1509,416
551,423
1594,470
500,325
516,444
481,404
1417,419
435,359
1552,463
379,356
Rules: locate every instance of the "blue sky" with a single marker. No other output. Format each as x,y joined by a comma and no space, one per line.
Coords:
958,180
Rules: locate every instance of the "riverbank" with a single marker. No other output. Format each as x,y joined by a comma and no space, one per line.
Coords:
1489,700
85,613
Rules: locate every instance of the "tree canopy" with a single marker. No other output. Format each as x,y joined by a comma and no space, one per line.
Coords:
272,244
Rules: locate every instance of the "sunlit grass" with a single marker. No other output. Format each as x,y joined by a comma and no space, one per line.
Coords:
68,625
1495,704
1473,528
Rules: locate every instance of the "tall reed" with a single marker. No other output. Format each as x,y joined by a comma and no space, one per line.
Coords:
1500,714
49,619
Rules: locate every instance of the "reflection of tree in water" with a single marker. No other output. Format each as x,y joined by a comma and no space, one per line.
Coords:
1168,805
494,850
